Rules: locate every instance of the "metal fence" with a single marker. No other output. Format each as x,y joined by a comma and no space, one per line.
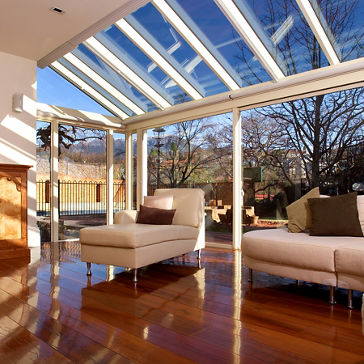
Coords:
79,197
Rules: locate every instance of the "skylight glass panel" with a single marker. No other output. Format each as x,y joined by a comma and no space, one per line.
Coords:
172,42
285,33
343,21
95,86
99,66
225,39
53,89
115,39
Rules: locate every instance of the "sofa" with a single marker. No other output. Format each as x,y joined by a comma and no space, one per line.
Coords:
336,261
133,245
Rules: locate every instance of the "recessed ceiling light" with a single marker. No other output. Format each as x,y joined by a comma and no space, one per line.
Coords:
57,10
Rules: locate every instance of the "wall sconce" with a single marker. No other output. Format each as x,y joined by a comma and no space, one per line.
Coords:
18,102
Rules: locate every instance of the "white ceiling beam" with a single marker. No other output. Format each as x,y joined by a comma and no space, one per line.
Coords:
112,77
84,87
126,72
242,26
155,55
195,43
124,57
72,59
90,119
319,31
345,75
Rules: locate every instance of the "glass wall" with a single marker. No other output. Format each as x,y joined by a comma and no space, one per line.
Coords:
43,180
82,179
119,202
292,147
197,154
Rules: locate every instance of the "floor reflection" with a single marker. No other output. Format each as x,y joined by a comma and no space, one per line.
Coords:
51,311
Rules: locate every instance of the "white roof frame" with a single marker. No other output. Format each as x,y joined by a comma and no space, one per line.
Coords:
83,86
346,75
142,39
319,31
78,117
245,30
72,59
134,66
111,77
176,21
126,72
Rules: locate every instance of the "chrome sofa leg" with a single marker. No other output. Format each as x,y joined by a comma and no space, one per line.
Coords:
332,295
199,254
298,282
88,269
350,299
109,272
135,278
250,275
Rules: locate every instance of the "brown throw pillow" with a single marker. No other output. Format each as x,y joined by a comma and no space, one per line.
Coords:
154,216
299,214
335,216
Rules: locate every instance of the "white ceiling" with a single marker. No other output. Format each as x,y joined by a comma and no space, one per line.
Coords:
29,29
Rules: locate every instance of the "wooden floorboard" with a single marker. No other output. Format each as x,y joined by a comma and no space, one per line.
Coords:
50,311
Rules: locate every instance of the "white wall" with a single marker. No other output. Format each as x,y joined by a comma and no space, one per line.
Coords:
18,130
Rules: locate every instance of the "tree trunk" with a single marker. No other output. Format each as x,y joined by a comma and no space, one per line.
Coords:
316,154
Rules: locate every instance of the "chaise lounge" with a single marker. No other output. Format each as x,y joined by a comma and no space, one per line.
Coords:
127,243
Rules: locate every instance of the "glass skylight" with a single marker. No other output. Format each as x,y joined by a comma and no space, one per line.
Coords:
225,40
94,62
120,43
173,43
170,52
286,34
343,21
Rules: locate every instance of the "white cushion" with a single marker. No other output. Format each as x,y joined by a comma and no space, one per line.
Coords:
297,250
135,235
189,205
159,202
349,258
125,217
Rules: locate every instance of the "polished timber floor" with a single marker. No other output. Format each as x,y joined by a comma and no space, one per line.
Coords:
52,313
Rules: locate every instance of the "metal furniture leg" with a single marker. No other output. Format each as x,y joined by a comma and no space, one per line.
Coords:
135,278
88,269
250,275
332,295
350,299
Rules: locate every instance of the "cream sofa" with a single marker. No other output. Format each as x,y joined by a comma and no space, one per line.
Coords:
336,261
132,245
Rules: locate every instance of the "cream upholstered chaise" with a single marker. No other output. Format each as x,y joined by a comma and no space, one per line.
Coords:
129,244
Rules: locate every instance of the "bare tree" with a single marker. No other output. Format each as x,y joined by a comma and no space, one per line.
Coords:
68,136
187,154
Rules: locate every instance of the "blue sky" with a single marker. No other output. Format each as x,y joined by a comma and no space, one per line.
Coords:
54,90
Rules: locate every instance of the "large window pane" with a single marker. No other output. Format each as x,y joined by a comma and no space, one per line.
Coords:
43,180
196,154
82,179
292,147
119,172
